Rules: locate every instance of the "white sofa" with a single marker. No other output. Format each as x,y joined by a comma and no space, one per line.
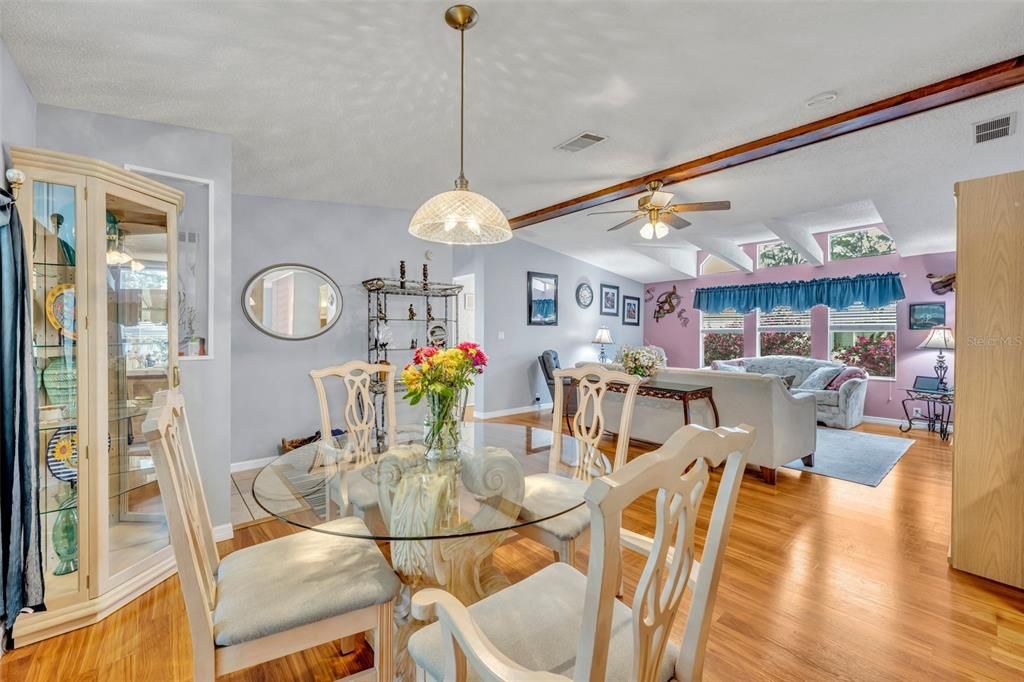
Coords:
842,409
785,422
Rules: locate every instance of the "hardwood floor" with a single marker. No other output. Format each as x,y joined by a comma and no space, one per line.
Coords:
823,579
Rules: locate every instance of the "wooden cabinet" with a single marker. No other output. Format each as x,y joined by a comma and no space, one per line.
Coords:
988,462
102,244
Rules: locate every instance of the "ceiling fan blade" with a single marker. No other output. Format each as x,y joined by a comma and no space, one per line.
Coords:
655,199
700,206
675,221
609,212
626,222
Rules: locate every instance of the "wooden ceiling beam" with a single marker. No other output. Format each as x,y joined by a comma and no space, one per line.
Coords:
983,81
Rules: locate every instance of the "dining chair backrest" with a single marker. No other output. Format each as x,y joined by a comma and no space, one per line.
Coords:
591,384
678,473
188,517
360,413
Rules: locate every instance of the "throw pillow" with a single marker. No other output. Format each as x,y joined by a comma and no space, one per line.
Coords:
722,367
820,378
844,376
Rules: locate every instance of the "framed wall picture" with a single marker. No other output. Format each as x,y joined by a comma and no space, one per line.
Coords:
927,315
609,300
541,299
631,311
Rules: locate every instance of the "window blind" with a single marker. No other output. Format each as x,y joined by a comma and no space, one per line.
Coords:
727,321
860,319
784,319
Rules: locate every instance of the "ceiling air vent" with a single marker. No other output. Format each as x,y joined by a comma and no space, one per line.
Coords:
994,128
581,142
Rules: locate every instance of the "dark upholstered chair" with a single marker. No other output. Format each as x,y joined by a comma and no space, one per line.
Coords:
548,364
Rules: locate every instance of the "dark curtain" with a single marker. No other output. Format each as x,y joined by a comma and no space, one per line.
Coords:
21,561
838,293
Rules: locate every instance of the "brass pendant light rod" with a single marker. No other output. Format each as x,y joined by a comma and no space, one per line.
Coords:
461,18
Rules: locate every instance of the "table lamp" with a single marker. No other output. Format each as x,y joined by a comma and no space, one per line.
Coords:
603,337
939,338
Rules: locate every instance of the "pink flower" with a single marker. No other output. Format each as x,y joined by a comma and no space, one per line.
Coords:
422,353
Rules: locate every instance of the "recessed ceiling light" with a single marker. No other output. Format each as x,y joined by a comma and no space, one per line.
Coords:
821,99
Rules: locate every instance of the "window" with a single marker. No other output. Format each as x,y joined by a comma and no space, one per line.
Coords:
721,336
870,241
777,254
784,332
714,265
865,337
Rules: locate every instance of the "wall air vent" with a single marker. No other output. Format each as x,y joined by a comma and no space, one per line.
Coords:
581,142
995,128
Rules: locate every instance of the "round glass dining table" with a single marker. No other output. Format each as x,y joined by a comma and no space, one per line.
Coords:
442,519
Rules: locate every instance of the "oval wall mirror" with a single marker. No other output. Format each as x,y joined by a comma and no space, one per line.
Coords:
292,301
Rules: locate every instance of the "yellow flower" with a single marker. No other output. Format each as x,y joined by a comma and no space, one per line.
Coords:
65,448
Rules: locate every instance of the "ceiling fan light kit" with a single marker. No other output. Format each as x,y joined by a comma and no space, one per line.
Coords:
655,206
460,216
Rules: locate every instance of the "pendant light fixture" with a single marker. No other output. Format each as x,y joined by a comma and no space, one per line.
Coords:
460,216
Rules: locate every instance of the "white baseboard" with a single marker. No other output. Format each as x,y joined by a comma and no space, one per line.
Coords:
536,407
251,464
889,421
225,531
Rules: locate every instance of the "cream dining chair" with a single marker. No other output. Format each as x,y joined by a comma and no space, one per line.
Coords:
272,599
559,624
546,493
360,418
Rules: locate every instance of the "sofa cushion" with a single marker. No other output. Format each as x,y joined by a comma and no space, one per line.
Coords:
787,364
844,376
820,378
724,367
823,397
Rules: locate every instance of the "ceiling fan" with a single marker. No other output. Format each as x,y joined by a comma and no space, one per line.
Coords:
660,215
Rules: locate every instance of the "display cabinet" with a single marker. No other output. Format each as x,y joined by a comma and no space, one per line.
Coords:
102,245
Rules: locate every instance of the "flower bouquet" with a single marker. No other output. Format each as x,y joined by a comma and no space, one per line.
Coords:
442,377
643,361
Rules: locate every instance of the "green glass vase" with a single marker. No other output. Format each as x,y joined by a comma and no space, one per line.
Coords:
65,535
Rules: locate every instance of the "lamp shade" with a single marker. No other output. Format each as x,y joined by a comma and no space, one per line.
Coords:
460,216
603,335
939,338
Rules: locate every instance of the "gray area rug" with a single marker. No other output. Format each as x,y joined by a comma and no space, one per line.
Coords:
864,458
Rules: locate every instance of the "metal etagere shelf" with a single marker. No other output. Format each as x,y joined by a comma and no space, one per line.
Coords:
435,322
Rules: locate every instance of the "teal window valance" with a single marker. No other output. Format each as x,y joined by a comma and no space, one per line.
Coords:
839,293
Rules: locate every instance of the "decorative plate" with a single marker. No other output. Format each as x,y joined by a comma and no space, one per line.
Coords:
60,379
60,309
584,295
62,454
438,335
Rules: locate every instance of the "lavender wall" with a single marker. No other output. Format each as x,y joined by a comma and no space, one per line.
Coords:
682,344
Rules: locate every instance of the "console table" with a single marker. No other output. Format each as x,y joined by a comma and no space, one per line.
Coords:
938,413
665,390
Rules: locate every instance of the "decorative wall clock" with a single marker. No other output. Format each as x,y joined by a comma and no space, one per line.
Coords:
60,309
584,295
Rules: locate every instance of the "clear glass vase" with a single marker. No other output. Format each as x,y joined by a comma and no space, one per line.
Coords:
442,426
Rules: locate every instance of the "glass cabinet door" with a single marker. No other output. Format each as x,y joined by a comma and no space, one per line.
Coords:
54,234
140,311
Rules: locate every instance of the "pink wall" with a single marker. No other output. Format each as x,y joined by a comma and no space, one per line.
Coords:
682,344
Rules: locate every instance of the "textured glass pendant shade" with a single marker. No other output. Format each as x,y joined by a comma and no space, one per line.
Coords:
460,217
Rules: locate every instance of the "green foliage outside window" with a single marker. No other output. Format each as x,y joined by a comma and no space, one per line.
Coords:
724,346
874,352
860,243
777,255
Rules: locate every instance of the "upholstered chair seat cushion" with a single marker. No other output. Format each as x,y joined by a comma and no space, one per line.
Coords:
820,378
547,494
536,623
299,579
